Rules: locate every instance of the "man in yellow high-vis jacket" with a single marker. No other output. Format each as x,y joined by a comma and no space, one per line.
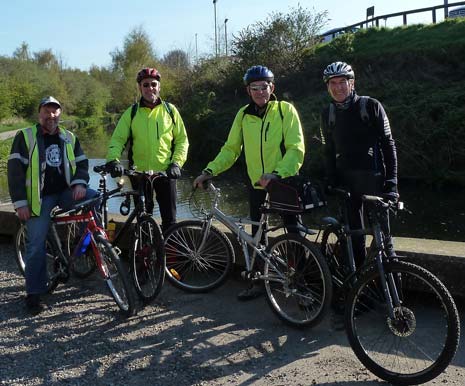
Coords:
271,134
46,168
158,142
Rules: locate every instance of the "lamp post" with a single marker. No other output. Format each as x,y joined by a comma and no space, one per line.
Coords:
446,10
216,33
225,37
196,51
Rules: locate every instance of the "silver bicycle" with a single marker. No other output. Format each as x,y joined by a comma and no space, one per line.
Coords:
199,257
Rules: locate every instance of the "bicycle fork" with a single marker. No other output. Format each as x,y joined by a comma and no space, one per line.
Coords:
388,283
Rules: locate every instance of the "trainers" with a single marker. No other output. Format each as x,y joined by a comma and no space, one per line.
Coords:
253,292
33,305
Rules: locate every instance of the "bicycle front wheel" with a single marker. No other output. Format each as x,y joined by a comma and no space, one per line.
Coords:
297,281
195,261
420,341
148,259
115,275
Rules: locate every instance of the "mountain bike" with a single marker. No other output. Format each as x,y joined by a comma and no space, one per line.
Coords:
147,253
401,321
93,238
200,256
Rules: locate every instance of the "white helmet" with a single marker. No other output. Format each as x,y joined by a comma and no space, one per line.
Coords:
338,69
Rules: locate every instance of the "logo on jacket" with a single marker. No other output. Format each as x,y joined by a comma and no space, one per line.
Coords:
53,155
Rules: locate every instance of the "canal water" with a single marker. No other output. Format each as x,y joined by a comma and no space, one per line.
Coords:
435,215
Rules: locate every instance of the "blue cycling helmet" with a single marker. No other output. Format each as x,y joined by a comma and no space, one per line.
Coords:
258,73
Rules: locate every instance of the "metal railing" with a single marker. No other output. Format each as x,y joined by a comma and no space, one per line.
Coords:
374,21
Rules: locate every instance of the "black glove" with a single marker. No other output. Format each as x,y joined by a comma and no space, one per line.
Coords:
390,191
173,171
115,168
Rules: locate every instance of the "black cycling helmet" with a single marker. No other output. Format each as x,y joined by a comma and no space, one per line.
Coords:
338,69
148,72
258,73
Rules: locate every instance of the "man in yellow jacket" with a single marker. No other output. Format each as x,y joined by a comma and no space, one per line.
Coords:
271,134
46,167
158,142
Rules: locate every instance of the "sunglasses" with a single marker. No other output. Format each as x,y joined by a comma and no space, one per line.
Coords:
152,84
262,87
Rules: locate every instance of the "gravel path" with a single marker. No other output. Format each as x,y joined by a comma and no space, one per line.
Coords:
182,339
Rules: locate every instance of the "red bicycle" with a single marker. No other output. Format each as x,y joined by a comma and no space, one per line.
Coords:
93,239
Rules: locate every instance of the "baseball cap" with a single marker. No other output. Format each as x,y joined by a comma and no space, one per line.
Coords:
49,100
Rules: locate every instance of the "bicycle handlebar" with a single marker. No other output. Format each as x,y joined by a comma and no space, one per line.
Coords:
104,169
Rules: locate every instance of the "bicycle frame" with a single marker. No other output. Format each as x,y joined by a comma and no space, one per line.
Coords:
375,258
60,218
236,226
140,208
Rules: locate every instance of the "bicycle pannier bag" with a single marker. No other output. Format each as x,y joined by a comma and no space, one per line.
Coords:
295,194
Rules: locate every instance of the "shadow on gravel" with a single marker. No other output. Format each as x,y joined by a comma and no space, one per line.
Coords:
181,339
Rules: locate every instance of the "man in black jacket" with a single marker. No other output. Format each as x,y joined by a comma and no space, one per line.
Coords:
360,153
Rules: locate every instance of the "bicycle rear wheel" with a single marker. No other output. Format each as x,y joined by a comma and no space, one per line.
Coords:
334,248
419,342
53,266
20,248
82,265
297,281
194,266
115,275
148,259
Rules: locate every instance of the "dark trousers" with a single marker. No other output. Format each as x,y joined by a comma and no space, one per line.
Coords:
256,199
165,193
355,213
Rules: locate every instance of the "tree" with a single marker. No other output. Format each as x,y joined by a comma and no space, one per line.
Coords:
137,52
46,59
176,59
282,41
22,52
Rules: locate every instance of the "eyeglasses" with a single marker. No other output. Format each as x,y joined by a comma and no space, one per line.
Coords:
261,87
152,84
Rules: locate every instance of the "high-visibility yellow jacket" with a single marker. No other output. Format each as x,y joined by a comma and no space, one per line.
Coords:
26,166
272,143
157,138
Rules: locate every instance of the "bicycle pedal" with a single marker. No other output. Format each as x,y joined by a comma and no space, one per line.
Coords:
248,275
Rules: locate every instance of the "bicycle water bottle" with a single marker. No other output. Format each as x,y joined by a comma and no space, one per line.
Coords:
85,243
111,228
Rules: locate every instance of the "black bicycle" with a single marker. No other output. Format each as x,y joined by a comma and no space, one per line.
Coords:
401,321
147,253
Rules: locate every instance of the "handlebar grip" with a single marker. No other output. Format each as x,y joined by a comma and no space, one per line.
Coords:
100,168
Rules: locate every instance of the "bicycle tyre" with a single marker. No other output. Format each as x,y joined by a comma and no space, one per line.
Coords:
20,248
20,254
192,270
298,285
415,347
82,265
57,272
115,275
148,259
333,248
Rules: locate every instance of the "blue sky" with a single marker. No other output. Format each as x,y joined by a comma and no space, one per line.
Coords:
84,32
